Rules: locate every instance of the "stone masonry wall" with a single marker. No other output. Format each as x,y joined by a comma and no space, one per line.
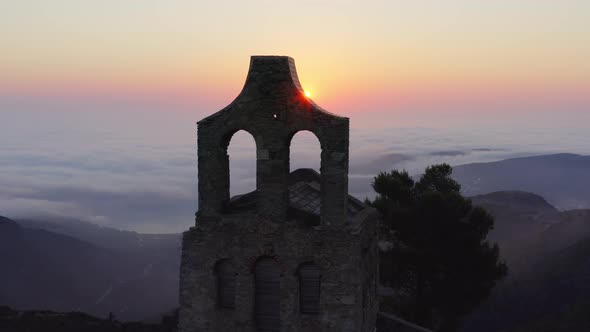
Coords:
345,256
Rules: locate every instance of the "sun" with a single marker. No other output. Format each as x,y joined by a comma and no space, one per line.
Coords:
307,93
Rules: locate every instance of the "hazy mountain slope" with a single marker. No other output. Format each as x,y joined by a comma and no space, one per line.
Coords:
553,289
517,214
563,230
566,228
46,270
41,269
562,179
573,318
548,254
526,226
106,237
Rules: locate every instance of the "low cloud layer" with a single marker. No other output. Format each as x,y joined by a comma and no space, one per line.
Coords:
124,189
139,172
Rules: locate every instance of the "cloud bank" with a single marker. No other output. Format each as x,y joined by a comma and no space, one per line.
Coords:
137,170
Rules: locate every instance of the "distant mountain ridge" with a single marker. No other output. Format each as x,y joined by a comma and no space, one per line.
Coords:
562,179
106,237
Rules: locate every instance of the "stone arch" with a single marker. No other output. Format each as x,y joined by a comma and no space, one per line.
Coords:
333,137
267,294
304,137
226,283
213,163
226,136
272,107
241,146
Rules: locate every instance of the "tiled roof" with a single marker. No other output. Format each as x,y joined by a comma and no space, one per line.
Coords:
304,195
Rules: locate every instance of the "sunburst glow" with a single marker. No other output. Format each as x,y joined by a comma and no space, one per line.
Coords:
307,93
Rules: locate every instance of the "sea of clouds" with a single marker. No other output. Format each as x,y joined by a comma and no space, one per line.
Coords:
136,169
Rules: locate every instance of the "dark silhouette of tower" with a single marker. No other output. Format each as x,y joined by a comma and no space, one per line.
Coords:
298,253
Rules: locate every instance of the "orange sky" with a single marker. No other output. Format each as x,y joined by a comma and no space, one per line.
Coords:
350,55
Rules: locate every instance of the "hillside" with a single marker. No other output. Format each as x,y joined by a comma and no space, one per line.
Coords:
548,253
51,271
48,321
573,318
518,215
554,291
102,236
69,265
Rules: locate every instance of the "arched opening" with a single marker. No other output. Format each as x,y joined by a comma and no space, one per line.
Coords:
305,181
309,288
242,163
267,301
226,284
305,151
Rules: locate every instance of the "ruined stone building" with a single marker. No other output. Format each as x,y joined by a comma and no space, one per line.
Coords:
296,254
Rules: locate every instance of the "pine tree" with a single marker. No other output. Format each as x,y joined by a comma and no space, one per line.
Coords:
442,260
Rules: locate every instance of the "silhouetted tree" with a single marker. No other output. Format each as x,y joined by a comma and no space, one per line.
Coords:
441,260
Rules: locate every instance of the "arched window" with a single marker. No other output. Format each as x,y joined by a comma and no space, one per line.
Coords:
305,182
309,288
305,151
267,295
242,163
226,284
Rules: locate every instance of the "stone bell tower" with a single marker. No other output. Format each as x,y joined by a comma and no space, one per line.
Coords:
296,254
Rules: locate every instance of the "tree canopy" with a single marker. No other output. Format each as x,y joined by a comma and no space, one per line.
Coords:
441,265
